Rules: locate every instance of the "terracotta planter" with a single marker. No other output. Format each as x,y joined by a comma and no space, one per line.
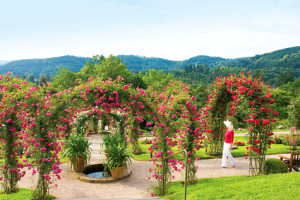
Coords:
79,165
119,172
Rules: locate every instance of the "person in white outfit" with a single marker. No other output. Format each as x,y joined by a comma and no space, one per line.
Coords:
229,135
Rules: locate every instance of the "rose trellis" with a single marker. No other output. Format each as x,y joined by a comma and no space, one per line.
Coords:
294,121
104,99
38,120
10,118
230,92
30,121
175,124
172,113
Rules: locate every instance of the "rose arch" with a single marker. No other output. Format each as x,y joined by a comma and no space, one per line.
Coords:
171,114
250,94
103,99
37,119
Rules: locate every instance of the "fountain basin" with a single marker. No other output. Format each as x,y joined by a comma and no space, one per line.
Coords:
96,174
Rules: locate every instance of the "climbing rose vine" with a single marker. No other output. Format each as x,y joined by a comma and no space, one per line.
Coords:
231,91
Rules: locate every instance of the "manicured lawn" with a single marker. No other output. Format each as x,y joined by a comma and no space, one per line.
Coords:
274,130
240,151
22,194
148,134
274,186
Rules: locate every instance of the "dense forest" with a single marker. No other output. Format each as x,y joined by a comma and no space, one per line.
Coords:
43,66
267,65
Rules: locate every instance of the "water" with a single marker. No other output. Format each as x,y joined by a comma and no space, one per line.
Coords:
96,174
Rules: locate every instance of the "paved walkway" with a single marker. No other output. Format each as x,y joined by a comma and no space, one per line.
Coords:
133,187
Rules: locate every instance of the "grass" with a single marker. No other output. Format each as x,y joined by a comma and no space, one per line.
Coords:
274,186
24,194
274,130
148,134
240,151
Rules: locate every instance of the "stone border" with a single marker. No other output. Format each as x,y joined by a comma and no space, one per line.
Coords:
88,179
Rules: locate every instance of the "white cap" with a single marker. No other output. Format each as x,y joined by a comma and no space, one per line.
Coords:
228,124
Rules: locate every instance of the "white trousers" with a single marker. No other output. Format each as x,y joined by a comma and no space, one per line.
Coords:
227,153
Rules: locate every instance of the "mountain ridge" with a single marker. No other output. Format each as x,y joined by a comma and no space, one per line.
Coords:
289,57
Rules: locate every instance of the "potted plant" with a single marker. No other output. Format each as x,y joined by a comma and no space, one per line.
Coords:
118,156
78,150
108,141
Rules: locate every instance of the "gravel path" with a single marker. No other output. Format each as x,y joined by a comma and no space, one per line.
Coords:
136,185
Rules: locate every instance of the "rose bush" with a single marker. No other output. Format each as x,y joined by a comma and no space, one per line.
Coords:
256,98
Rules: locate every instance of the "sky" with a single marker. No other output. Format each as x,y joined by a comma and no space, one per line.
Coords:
170,29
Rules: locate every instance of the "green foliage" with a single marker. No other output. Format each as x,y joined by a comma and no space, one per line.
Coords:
24,194
88,70
157,79
292,88
118,154
201,95
138,63
111,67
43,66
31,78
64,79
110,140
43,80
137,81
274,166
282,100
240,187
294,113
77,146
278,138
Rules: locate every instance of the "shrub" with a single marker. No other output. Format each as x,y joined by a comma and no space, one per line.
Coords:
274,166
278,138
239,144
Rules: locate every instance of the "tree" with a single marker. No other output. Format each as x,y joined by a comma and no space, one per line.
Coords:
88,70
157,79
48,78
206,70
111,67
43,80
30,78
137,81
257,73
280,80
201,95
289,77
283,99
64,79
292,87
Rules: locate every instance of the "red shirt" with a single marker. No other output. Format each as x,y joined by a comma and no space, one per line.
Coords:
229,135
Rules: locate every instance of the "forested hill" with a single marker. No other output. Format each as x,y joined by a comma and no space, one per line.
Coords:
288,58
74,64
143,63
43,66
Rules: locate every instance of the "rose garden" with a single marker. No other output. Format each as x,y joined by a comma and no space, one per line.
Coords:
43,128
